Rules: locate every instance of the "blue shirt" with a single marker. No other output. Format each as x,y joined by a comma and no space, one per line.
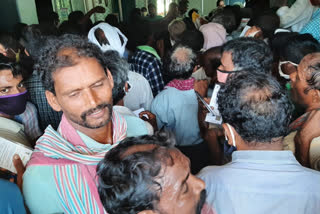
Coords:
11,201
262,182
177,111
313,26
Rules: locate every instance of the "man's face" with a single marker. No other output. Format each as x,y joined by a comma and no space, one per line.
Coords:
83,93
182,192
226,65
152,11
9,84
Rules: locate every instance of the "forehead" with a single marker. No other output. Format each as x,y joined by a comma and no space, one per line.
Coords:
84,71
7,77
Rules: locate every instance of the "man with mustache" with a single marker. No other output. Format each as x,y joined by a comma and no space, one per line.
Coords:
147,175
61,175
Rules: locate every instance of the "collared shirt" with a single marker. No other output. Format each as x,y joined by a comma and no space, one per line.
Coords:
262,182
47,116
150,67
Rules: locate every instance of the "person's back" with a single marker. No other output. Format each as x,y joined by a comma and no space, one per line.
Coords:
262,182
262,177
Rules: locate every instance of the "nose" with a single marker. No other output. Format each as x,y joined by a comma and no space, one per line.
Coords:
92,99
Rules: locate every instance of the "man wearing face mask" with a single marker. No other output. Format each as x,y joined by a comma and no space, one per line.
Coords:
15,111
262,178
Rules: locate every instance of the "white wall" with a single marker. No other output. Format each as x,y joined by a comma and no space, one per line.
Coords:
27,11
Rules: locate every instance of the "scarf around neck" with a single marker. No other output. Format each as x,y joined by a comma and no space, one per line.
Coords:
182,85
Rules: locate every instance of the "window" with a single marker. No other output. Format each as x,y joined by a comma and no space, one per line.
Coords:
163,6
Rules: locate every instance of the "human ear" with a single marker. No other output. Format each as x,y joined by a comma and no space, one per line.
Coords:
110,78
52,100
227,133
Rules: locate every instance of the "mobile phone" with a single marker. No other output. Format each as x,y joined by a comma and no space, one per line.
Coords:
205,103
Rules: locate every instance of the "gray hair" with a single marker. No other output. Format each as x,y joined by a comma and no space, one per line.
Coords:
181,62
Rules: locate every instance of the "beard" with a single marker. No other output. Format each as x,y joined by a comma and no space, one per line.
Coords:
84,121
201,202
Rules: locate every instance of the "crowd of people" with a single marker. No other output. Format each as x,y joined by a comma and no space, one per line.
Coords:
116,114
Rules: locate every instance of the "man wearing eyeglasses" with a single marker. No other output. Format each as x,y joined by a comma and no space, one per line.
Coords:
244,53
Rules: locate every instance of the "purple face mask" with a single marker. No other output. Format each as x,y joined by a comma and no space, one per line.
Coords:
14,104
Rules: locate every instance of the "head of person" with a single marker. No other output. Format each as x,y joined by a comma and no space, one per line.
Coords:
144,11
214,35
210,61
176,28
77,80
181,63
152,10
183,6
112,19
227,18
244,54
315,2
255,109
305,82
149,175
193,39
173,10
119,69
220,4
75,16
192,11
293,52
107,37
268,23
13,94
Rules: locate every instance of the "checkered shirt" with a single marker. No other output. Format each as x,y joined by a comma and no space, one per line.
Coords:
47,116
150,67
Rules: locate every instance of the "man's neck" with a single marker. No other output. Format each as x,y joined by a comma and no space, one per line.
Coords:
103,135
274,145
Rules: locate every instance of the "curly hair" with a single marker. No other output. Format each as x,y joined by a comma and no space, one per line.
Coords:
256,106
249,53
50,61
128,182
16,68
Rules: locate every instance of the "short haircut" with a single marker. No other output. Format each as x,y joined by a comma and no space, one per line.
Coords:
268,22
227,18
313,72
299,46
176,28
256,106
50,61
180,63
16,68
119,69
249,53
128,182
193,39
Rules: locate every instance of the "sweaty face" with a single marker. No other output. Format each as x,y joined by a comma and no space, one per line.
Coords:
84,93
9,84
226,65
182,192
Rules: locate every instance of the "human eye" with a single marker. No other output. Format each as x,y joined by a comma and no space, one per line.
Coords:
98,84
4,91
21,85
74,94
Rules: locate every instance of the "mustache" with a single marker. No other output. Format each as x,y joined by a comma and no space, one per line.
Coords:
90,111
202,200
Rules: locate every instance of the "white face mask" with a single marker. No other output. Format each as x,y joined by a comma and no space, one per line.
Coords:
286,76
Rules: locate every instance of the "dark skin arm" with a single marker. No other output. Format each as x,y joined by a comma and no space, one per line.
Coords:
304,137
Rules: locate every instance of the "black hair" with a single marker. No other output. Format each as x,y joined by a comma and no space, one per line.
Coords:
75,16
268,22
33,40
249,53
218,2
119,69
16,68
193,39
112,19
256,106
278,41
228,17
49,61
299,46
128,183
